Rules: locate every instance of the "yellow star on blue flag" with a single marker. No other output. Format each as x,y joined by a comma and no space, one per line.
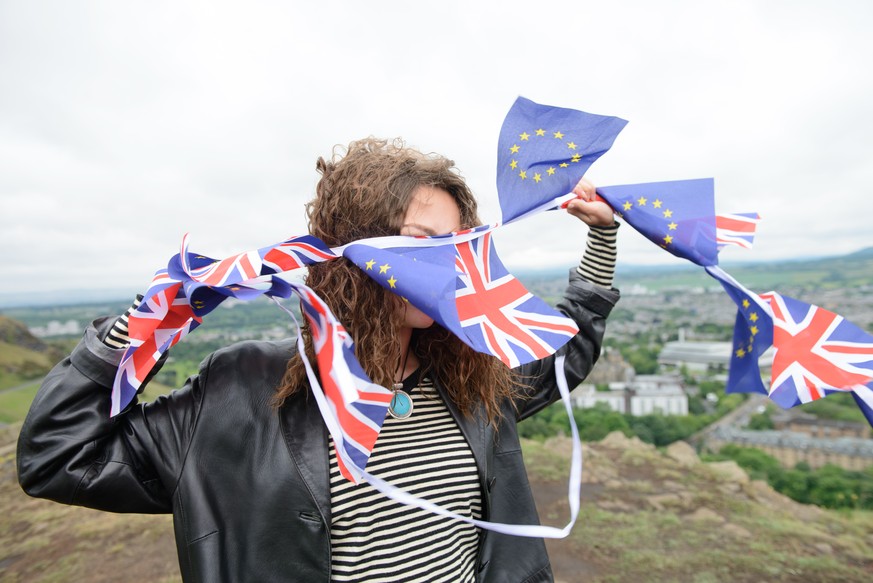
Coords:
543,151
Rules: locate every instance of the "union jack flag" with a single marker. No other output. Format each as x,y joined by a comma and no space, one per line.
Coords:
212,272
817,352
162,319
355,407
467,290
736,229
295,253
498,314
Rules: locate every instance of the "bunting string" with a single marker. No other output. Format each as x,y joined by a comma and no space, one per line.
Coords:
459,281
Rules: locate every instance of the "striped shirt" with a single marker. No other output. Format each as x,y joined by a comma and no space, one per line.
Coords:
598,261
374,538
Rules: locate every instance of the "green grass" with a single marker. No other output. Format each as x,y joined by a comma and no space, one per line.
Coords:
16,356
663,546
10,380
153,390
14,404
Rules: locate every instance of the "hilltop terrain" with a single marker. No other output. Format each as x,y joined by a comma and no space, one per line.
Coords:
795,276
646,516
22,355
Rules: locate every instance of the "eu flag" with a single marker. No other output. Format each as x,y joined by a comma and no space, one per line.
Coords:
678,216
543,151
753,335
424,276
466,288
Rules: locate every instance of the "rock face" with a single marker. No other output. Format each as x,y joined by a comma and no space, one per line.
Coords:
683,453
617,439
730,471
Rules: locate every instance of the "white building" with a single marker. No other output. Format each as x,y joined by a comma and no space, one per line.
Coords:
644,395
704,356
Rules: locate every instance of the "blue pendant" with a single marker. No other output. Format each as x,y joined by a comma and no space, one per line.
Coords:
401,405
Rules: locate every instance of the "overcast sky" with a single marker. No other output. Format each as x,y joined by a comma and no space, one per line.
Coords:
124,125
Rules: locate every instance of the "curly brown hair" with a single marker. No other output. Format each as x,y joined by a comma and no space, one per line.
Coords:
364,191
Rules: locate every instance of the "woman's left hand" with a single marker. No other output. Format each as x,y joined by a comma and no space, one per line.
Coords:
588,208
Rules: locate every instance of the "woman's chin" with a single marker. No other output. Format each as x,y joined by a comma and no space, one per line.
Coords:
415,318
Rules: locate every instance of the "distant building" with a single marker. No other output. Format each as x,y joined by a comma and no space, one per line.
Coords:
800,422
704,357
610,367
789,448
643,395
57,328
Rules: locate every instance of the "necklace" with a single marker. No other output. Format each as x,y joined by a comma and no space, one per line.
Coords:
401,402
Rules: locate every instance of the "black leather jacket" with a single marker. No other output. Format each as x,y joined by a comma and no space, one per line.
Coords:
248,485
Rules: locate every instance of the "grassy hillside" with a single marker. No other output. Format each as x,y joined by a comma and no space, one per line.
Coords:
646,516
649,515
18,364
22,355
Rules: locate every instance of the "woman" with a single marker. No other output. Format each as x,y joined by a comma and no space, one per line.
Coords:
240,454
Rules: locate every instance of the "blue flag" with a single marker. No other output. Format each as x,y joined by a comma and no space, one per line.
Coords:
753,335
678,216
466,288
543,151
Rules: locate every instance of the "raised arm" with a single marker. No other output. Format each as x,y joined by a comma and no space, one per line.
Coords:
71,451
588,300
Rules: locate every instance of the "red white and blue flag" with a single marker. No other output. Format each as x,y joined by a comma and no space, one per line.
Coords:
219,273
295,253
459,281
462,284
161,320
816,352
352,406
498,314
736,229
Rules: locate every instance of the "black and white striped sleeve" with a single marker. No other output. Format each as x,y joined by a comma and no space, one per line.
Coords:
117,336
598,261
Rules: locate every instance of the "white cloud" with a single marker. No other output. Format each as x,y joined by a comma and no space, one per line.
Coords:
124,125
